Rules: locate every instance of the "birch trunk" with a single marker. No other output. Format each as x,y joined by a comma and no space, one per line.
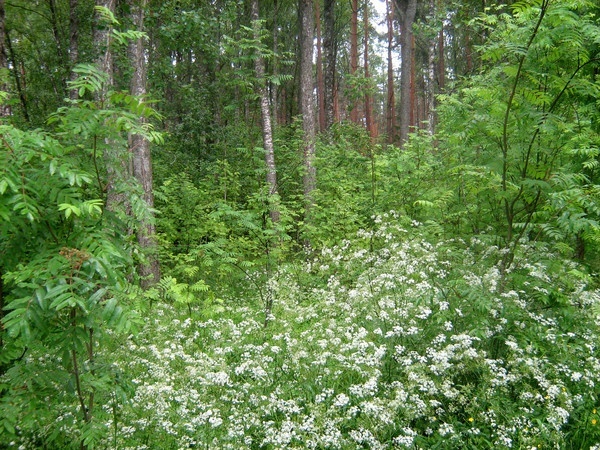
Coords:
267,131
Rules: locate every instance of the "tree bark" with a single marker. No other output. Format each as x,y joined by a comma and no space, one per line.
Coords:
320,79
102,41
115,159
431,72
73,43
4,112
441,59
307,102
369,121
4,108
330,50
18,77
407,10
391,95
354,53
274,88
139,148
267,132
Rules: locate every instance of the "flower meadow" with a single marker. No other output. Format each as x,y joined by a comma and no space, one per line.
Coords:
389,340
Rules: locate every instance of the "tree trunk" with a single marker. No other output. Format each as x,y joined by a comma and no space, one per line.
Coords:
391,96
139,148
115,159
60,53
73,43
320,80
18,77
4,108
407,10
307,102
413,87
354,53
468,55
330,50
274,88
4,112
441,59
430,86
267,132
102,41
369,120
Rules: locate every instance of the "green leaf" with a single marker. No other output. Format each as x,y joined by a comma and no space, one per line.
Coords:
69,209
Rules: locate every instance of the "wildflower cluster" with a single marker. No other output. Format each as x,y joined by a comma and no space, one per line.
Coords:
387,341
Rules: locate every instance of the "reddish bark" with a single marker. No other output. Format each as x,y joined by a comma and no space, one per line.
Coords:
354,53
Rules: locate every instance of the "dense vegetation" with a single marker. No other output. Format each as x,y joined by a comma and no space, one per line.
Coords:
434,292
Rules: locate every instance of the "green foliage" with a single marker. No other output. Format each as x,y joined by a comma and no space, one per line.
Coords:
519,138
385,341
66,263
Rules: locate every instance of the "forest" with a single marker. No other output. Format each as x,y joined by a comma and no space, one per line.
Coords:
299,224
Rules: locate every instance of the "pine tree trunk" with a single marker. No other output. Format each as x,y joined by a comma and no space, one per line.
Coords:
139,148
267,132
307,102
274,88
430,86
407,10
369,120
391,95
441,66
354,53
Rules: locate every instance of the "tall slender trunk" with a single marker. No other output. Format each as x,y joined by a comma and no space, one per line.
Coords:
441,66
5,108
407,10
330,50
115,159
54,20
468,54
73,43
4,112
19,77
354,53
267,132
307,102
274,93
430,82
413,87
320,80
102,40
391,95
139,147
369,120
